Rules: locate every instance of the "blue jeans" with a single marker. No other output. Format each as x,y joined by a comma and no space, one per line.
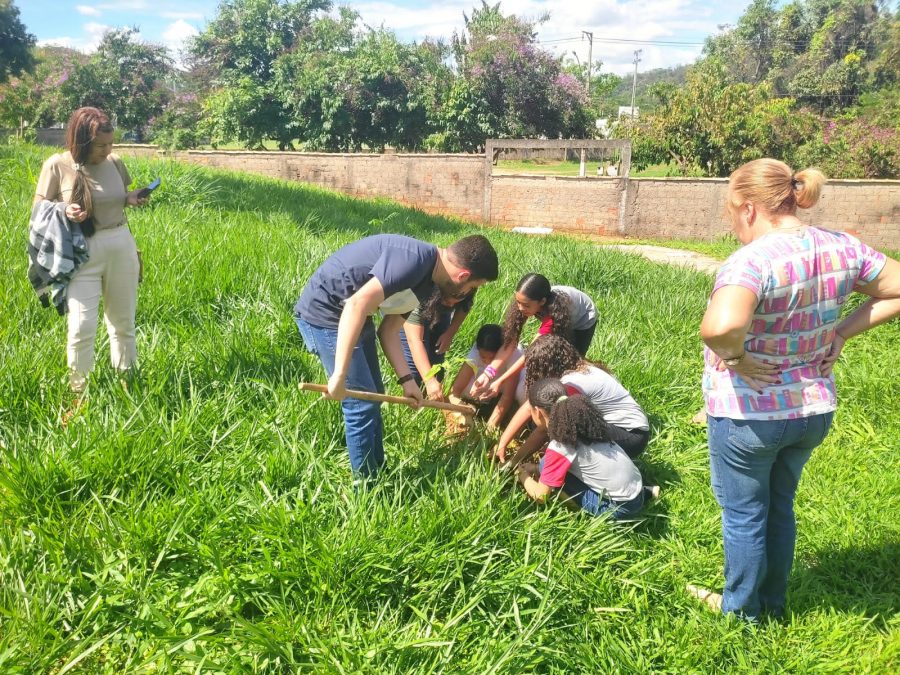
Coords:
755,467
597,503
363,427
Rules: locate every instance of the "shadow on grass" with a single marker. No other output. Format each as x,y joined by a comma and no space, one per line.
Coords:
446,460
310,207
856,580
656,471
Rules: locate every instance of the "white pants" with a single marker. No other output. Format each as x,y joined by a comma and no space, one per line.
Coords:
110,273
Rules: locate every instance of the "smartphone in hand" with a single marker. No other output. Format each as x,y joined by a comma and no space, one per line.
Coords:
143,193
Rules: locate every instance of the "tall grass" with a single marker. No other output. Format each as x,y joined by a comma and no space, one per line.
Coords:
202,519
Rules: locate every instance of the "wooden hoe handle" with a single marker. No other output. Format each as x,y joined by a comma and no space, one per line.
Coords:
384,398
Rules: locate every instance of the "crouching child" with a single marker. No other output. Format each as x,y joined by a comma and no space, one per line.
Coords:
590,471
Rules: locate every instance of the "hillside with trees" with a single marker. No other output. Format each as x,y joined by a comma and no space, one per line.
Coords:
811,82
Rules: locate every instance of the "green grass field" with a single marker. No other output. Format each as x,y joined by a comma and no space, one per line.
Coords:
202,520
572,167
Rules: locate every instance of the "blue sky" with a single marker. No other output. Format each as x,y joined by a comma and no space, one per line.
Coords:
669,32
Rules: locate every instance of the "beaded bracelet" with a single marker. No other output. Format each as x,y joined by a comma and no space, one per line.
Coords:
491,372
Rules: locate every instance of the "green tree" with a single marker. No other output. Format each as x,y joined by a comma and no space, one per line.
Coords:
748,50
15,43
125,77
239,49
177,127
816,51
35,99
509,87
712,127
816,81
348,89
601,96
853,148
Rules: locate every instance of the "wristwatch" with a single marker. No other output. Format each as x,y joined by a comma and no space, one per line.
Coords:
406,378
734,360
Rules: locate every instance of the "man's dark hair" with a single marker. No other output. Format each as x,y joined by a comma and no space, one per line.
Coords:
490,337
475,254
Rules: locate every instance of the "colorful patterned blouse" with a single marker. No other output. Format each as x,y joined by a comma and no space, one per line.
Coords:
802,280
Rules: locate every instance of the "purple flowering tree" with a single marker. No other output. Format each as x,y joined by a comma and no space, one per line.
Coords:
35,99
125,77
507,87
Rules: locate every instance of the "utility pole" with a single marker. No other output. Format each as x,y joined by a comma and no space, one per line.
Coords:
590,37
587,88
637,58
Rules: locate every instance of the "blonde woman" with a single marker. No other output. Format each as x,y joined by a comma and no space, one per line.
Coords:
94,184
773,333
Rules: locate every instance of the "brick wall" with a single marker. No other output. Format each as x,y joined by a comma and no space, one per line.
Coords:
567,204
679,208
56,137
867,208
136,150
446,184
692,208
676,208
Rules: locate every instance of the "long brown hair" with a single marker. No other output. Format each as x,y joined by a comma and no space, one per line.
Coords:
537,287
84,125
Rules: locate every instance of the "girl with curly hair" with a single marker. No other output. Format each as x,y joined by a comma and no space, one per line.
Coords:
562,310
552,356
590,471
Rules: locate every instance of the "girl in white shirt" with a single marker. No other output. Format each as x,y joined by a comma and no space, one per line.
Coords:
487,344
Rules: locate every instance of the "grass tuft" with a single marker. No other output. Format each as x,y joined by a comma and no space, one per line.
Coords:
203,518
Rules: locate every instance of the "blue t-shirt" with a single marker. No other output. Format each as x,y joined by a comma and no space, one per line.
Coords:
403,265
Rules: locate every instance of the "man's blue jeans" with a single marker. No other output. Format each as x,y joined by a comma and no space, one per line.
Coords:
363,427
755,467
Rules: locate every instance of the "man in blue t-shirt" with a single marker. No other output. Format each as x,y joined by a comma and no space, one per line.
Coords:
393,274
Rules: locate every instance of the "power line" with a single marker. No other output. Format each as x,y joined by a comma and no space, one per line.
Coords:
624,40
680,43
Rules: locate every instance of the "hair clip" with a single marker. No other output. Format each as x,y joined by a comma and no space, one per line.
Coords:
561,398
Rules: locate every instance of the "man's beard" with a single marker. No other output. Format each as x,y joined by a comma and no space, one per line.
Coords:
450,290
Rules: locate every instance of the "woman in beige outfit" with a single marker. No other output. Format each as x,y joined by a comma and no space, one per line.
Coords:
94,182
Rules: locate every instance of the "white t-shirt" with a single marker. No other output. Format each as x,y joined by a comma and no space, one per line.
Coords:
603,467
616,405
473,358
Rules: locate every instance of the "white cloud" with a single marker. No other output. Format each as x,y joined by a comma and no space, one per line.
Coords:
93,34
126,6
87,10
176,35
178,32
643,20
69,42
87,42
